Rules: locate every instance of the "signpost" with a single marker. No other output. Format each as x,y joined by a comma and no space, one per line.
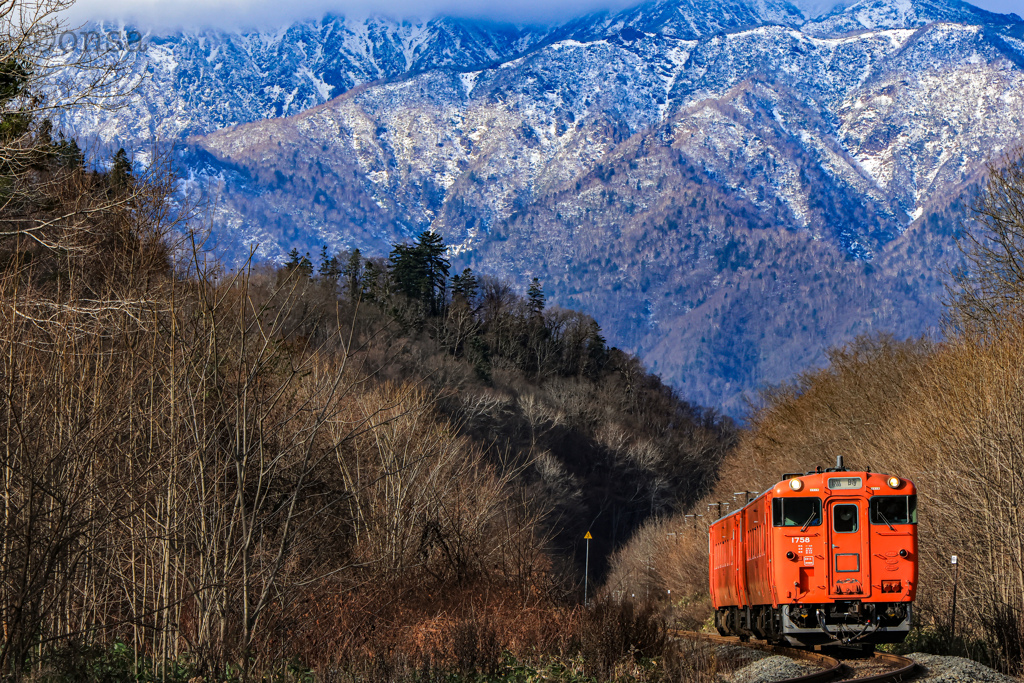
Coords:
586,568
956,575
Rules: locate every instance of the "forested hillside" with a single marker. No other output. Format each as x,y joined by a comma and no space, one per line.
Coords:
602,443
340,466
945,414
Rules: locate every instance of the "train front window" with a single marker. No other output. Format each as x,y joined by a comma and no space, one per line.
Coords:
891,510
801,512
844,518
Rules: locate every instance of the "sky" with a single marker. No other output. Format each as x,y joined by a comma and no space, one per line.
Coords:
270,13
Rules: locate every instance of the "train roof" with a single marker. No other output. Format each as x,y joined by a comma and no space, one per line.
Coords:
833,482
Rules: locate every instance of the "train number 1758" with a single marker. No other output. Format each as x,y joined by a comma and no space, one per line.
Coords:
801,539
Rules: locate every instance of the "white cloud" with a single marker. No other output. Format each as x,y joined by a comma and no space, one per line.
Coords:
164,14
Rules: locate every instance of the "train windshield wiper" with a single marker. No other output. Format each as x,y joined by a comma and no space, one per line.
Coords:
808,522
878,511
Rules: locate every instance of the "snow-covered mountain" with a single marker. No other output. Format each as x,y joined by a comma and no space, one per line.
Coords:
200,81
875,15
729,187
197,82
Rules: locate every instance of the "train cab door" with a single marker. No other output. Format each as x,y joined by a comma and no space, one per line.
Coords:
848,553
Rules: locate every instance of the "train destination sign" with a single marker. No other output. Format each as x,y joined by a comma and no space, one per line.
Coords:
845,483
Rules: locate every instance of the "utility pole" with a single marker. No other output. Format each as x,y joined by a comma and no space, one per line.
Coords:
721,508
746,495
586,568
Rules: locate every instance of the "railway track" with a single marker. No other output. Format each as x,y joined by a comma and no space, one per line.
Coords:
832,668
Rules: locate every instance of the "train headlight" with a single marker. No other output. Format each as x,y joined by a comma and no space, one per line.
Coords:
894,482
796,484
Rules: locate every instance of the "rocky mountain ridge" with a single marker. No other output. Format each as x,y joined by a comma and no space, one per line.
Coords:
729,189
202,80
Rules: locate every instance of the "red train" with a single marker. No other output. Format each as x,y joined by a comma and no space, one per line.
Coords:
827,557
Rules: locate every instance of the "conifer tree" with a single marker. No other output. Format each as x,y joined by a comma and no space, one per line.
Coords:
121,171
406,268
536,297
465,286
353,272
306,266
435,269
69,153
371,280
14,80
420,270
329,270
597,350
300,263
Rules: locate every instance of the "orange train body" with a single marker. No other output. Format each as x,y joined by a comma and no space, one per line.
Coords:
823,558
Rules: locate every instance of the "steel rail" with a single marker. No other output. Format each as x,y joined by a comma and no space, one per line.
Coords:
906,669
831,666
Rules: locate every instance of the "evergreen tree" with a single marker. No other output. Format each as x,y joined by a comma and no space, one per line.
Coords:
300,263
420,270
536,297
353,272
407,271
69,154
435,269
14,79
465,286
306,266
371,282
597,351
121,177
329,270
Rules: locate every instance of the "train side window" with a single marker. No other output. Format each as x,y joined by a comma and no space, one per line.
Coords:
801,512
893,509
844,518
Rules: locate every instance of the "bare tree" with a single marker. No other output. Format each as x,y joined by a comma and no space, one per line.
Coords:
989,290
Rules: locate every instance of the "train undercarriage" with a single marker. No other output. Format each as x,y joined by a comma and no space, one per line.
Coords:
844,622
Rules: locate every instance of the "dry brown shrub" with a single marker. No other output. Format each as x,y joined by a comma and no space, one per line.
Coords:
421,625
960,437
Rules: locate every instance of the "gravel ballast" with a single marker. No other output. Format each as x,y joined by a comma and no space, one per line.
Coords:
940,669
774,668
